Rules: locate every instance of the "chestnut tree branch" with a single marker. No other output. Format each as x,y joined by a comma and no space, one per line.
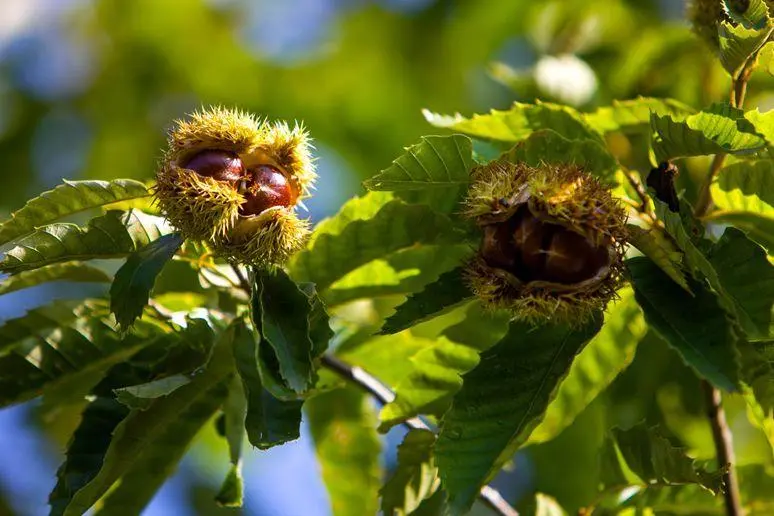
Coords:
724,447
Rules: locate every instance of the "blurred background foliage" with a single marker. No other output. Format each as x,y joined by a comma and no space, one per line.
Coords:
88,88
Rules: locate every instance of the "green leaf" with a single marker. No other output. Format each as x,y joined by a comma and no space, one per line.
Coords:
234,414
739,44
657,246
281,311
748,278
549,147
755,13
634,114
695,326
342,423
357,208
547,506
394,227
438,164
437,368
648,454
744,196
518,123
69,271
67,199
141,396
113,235
158,459
134,280
501,401
86,449
594,369
14,332
415,478
268,421
402,273
719,128
133,449
449,291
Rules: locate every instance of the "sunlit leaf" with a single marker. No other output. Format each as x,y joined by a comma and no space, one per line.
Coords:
234,413
719,128
69,271
437,369
744,197
394,227
447,292
739,43
657,246
134,280
547,506
357,208
415,478
604,357
517,123
41,319
695,326
113,235
438,164
501,401
141,396
549,147
343,427
634,114
67,199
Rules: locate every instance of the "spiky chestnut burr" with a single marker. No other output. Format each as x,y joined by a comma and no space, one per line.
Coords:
234,181
552,244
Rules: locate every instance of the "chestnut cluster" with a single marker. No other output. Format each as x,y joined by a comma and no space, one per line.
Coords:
262,186
536,250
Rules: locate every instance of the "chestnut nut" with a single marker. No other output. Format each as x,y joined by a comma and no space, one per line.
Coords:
220,165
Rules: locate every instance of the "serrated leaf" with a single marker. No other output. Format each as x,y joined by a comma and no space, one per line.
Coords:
342,424
283,311
41,319
113,235
649,455
134,280
358,208
394,227
517,123
719,128
634,114
596,366
436,165
695,326
268,421
549,147
657,246
159,458
501,401
70,198
437,369
134,439
748,278
739,44
744,196
754,15
234,414
70,271
449,291
415,478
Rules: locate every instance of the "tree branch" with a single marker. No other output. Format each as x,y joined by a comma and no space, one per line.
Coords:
488,495
724,447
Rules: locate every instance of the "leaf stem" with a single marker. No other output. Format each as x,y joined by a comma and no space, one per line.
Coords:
724,447
488,495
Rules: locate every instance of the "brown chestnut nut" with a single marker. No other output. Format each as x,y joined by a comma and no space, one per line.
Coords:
267,187
529,238
571,258
217,164
497,248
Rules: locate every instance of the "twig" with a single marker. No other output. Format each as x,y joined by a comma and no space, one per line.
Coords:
641,193
724,447
489,496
